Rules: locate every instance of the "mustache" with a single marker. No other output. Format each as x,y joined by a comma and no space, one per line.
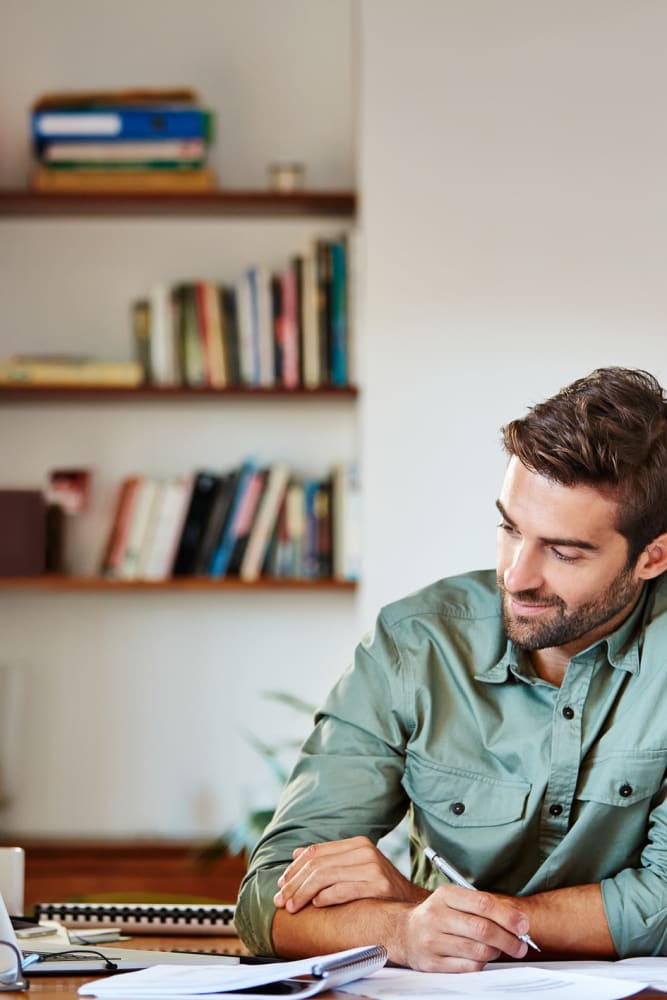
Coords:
533,597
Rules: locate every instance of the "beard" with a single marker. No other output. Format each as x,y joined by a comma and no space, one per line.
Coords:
566,625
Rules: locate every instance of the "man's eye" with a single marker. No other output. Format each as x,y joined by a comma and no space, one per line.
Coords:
504,526
562,557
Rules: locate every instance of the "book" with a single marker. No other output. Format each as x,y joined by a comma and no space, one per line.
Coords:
161,337
209,313
128,181
192,362
114,549
248,359
289,329
150,121
244,517
264,522
141,335
161,548
128,569
146,918
261,326
303,977
222,553
230,334
201,500
73,372
346,509
122,153
323,298
143,96
311,374
216,522
338,313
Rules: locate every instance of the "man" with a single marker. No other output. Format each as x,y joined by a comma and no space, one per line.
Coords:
517,716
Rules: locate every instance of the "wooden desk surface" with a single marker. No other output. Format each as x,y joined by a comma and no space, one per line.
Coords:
65,987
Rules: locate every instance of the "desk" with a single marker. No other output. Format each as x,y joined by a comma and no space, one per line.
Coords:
65,987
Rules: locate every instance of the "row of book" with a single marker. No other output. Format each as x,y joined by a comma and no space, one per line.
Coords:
249,522
131,140
287,328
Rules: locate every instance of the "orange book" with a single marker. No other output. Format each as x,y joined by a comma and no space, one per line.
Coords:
120,526
123,182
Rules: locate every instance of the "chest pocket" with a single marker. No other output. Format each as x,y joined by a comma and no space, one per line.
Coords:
623,778
463,798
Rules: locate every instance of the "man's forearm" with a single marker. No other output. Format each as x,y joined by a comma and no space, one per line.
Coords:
570,921
315,931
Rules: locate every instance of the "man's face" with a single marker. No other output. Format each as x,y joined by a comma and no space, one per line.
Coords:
561,564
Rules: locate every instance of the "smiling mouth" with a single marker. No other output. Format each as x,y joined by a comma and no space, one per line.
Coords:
521,608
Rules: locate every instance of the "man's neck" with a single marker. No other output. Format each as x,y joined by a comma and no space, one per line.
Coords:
550,664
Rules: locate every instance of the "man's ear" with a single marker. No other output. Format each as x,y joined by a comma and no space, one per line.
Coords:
653,560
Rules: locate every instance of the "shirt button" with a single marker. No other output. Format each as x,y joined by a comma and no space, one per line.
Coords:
568,712
556,809
625,790
458,808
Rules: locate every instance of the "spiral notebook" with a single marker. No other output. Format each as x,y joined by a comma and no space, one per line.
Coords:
302,978
144,918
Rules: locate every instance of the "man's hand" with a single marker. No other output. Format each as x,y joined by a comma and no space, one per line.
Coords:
341,871
456,930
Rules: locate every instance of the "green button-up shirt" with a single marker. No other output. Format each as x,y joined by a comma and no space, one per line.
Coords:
522,785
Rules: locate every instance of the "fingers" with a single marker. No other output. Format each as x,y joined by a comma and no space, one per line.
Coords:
332,873
457,926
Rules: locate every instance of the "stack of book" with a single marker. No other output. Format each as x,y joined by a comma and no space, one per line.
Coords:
126,141
288,328
249,522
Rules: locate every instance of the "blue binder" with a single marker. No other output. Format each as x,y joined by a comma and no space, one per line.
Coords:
159,122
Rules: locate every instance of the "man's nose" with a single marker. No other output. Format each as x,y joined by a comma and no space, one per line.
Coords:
524,571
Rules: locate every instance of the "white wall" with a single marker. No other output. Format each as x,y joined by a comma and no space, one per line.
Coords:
136,707
512,172
513,165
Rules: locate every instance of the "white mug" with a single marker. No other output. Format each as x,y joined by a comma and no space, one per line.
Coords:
12,876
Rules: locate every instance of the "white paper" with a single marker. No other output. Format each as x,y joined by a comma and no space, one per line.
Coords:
650,970
192,980
520,980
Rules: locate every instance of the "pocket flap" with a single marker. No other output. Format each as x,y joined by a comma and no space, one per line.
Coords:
622,778
460,797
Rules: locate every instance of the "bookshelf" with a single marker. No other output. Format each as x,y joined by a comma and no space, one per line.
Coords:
102,393
17,202
63,584
259,207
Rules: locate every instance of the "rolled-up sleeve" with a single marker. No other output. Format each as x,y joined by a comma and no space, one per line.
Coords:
635,900
346,782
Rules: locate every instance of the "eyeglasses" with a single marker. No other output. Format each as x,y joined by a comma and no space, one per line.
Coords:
11,976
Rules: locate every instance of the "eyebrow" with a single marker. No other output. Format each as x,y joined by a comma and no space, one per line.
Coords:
567,543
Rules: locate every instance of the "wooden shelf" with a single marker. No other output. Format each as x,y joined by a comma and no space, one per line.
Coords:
247,203
58,582
67,393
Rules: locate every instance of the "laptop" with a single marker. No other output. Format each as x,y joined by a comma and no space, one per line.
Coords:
76,960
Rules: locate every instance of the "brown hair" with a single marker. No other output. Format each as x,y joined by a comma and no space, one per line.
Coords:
608,430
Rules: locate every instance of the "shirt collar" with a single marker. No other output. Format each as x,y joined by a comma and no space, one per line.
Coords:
621,648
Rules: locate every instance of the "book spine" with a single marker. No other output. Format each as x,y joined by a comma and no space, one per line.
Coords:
126,374
338,313
121,123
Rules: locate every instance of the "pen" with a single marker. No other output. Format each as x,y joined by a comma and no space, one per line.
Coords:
456,876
